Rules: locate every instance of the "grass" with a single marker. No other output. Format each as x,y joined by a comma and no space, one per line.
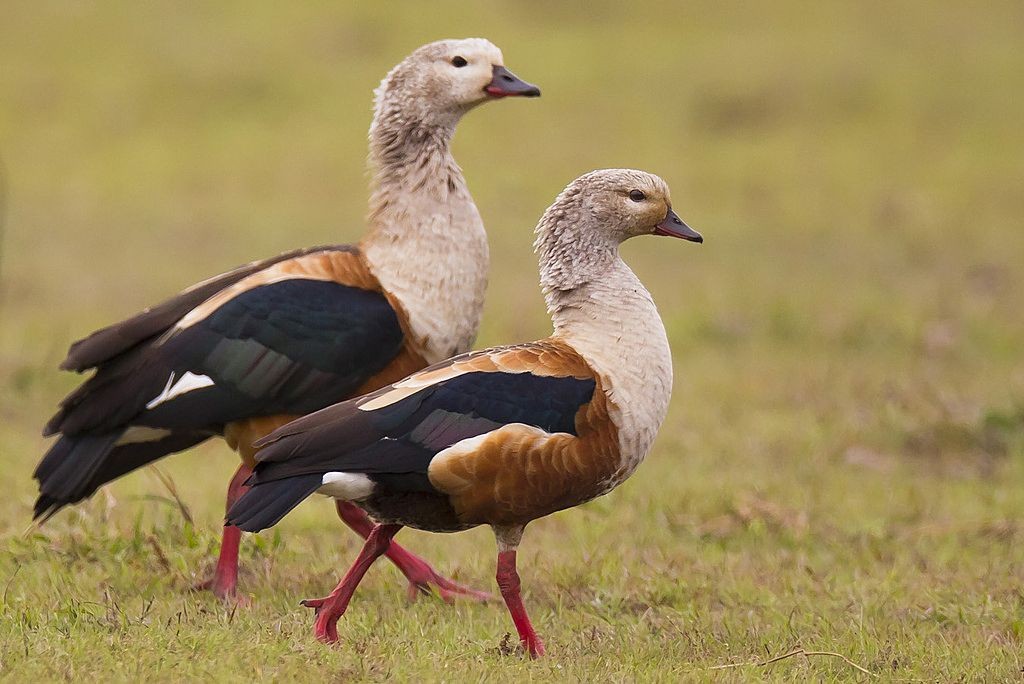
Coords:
842,469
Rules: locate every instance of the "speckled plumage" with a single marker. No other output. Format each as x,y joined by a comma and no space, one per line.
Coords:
427,243
601,309
244,352
510,434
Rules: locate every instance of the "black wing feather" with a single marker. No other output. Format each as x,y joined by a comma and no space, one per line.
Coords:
112,341
395,444
75,467
289,347
275,501
404,436
292,346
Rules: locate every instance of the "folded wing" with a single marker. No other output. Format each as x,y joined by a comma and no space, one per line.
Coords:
458,429
288,338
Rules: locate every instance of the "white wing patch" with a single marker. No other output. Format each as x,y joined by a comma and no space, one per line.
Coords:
186,383
346,486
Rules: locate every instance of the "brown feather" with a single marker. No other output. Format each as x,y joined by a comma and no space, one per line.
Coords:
519,473
347,269
549,357
241,434
106,343
409,359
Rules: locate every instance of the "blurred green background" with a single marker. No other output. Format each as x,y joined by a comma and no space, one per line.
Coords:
842,465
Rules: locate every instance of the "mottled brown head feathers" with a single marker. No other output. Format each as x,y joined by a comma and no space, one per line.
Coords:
416,109
579,235
427,88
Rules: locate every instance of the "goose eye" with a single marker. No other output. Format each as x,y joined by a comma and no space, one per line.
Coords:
637,196
459,62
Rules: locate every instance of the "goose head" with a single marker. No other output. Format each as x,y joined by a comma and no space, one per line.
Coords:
625,203
579,235
441,81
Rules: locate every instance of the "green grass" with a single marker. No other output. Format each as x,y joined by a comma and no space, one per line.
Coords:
842,468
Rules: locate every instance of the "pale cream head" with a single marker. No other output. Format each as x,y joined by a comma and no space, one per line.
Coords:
441,81
579,235
427,245
623,203
597,304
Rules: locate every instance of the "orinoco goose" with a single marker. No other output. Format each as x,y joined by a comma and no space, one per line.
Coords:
247,351
507,435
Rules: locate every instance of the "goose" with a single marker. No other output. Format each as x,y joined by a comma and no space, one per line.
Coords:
247,351
506,435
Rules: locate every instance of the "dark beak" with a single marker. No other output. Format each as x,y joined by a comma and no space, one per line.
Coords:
507,84
673,226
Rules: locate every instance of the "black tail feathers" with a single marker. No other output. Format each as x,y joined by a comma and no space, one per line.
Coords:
265,504
67,469
76,466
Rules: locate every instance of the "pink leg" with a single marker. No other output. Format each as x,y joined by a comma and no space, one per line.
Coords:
508,582
224,582
421,576
333,606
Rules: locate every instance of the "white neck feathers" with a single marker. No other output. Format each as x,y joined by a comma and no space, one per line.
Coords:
427,244
600,308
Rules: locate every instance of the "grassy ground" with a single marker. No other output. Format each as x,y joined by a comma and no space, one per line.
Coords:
842,469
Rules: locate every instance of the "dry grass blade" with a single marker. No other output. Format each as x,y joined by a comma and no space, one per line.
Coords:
796,652
172,489
7,587
161,557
